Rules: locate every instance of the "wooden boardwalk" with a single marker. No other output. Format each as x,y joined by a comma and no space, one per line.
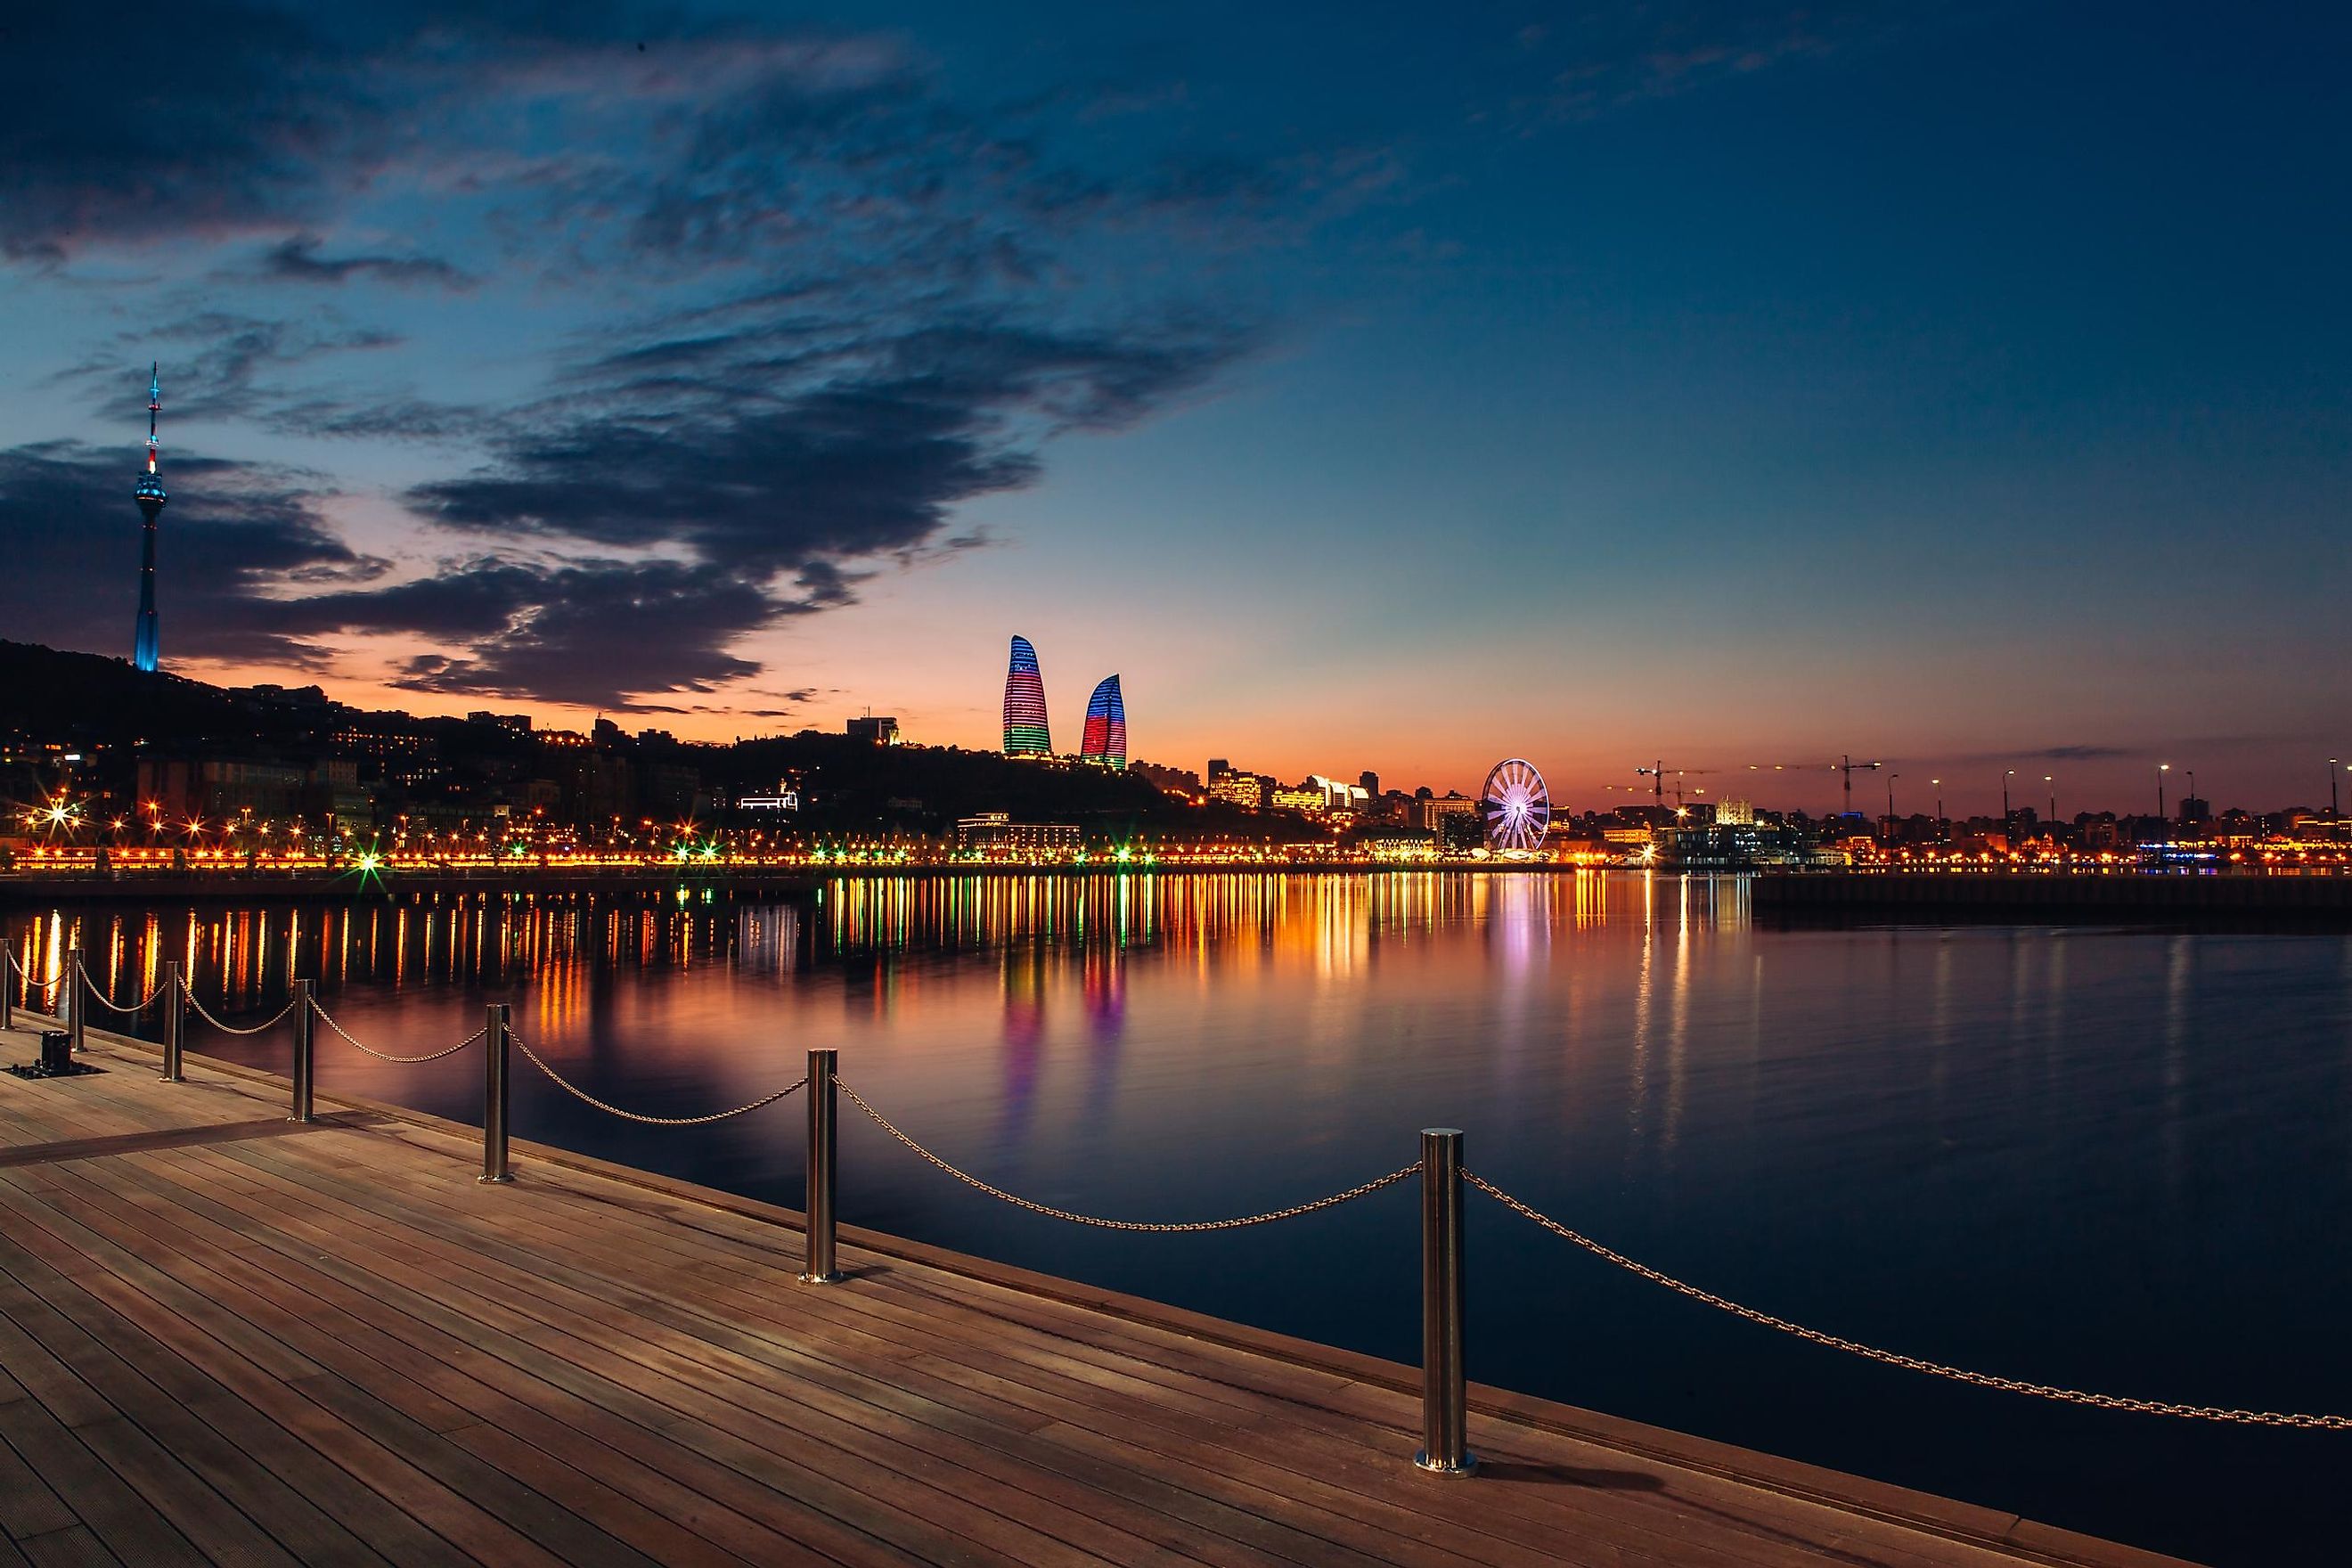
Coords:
224,1338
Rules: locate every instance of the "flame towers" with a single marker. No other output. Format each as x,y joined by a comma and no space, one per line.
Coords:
147,643
1106,737
1026,733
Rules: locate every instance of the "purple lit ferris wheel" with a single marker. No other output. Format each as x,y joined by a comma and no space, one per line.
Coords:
1515,806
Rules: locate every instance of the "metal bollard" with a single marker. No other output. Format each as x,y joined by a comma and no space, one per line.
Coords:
176,1022
1444,1397
8,992
70,1001
823,1163
494,1095
306,1024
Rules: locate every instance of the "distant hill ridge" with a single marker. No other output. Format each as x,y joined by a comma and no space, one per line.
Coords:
54,696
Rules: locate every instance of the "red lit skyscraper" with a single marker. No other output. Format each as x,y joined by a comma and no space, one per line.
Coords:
1106,737
1025,729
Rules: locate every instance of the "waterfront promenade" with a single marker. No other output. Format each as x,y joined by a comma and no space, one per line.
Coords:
229,1337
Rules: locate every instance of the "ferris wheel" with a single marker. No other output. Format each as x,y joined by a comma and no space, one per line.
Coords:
1515,806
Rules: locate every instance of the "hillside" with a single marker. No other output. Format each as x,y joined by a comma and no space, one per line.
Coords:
108,711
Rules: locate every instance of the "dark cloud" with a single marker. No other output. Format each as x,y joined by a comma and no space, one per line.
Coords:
775,500
231,533
589,633
224,364
202,118
901,332
763,465
297,261
1606,58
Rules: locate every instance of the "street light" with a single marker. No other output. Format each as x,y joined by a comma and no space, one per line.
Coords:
2007,826
1939,808
2161,768
2333,815
2053,801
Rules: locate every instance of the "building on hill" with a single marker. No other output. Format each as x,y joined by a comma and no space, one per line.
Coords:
514,724
879,728
1181,783
1027,733
1106,735
1247,790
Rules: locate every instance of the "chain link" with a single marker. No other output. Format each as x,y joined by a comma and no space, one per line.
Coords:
320,1013
90,989
1913,1363
43,986
271,1022
970,1180
578,1093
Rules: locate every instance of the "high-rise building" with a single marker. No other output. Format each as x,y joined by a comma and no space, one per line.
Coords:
1026,733
876,728
1106,736
1433,814
1218,768
147,642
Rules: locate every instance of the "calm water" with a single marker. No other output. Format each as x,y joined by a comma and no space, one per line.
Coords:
2119,1160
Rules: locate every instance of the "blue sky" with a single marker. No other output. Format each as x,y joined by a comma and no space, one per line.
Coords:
1740,384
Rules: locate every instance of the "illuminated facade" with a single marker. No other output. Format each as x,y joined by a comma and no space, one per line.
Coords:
1245,790
1026,730
147,642
997,830
1106,736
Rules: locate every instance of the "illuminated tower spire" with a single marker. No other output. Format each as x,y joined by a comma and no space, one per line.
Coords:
147,645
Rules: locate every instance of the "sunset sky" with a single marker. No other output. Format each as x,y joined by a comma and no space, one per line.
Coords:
1386,387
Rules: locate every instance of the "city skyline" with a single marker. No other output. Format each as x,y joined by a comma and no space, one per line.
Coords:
1578,391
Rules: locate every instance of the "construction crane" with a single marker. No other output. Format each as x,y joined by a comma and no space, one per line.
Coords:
1846,765
1656,773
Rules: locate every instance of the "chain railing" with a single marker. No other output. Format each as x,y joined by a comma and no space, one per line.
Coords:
1333,1200
269,1022
579,1093
1443,1179
20,973
347,1038
1908,1362
91,989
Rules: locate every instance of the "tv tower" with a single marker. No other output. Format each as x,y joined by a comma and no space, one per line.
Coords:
147,648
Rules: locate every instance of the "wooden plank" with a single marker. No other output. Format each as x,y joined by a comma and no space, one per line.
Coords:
1770,1547
860,1506
419,1508
862,1439
1459,1538
245,1514
336,1347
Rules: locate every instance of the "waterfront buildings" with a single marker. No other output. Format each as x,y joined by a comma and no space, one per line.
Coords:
1105,742
1027,731
879,728
147,641
996,830
1431,815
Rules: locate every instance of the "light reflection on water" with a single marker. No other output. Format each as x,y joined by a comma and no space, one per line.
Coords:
2117,1158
